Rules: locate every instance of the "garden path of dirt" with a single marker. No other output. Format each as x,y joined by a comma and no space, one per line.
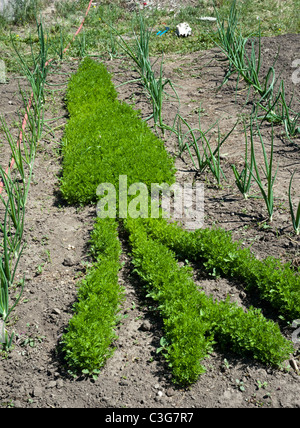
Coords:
33,374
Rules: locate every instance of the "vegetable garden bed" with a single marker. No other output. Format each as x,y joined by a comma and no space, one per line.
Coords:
135,365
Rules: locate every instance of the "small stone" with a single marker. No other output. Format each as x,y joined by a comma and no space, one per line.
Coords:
159,396
227,395
242,294
170,392
59,383
69,261
37,392
51,384
146,326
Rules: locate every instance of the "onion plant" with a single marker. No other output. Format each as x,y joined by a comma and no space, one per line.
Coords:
197,143
295,216
36,71
266,191
16,182
274,105
14,204
153,84
278,110
234,46
243,179
9,260
11,247
291,119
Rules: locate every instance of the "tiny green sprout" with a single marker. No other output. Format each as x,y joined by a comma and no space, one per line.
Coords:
226,363
240,385
261,384
163,345
95,374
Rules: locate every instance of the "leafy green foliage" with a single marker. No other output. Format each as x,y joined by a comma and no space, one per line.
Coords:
179,301
89,86
88,341
192,320
276,281
251,333
105,138
295,216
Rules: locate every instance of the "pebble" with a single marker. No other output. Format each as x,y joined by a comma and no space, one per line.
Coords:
158,397
59,383
37,392
51,384
146,326
69,261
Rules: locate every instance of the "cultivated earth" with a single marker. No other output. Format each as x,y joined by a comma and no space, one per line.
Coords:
33,373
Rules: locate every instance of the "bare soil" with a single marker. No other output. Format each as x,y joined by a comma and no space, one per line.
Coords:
33,374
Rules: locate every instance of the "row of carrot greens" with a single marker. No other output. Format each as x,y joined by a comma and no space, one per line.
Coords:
97,148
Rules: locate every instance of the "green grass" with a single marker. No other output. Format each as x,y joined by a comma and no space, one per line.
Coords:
99,41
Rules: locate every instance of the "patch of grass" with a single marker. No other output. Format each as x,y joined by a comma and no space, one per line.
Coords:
276,17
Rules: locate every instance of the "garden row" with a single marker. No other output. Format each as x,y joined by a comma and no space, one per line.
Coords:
105,139
15,180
